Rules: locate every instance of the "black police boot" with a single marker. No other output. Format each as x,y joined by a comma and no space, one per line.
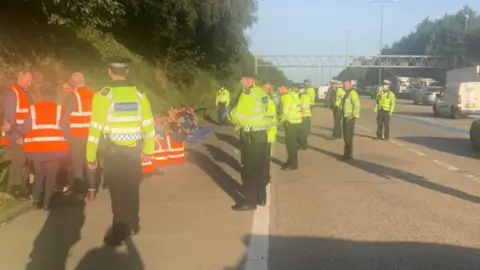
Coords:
117,235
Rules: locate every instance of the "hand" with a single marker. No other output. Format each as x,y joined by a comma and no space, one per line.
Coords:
92,165
146,158
6,126
349,118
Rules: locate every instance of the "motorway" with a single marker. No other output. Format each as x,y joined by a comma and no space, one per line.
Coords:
408,203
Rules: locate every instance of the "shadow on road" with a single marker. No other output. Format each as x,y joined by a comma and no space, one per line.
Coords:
417,114
456,146
208,117
286,253
221,156
390,173
231,187
106,257
60,232
233,141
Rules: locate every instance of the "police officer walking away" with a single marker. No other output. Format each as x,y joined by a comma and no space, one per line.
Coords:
121,113
351,111
250,117
384,107
291,117
337,112
222,101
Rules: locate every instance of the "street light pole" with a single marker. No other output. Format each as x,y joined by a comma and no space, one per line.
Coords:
465,63
330,61
382,2
347,33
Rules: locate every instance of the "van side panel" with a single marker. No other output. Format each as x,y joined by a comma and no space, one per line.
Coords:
470,95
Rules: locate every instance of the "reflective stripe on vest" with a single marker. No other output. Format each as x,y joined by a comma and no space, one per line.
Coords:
80,118
176,151
20,112
45,137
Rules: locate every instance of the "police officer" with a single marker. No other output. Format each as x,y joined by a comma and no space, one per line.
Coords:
350,106
121,113
272,127
337,112
250,117
384,107
222,101
310,91
291,117
306,109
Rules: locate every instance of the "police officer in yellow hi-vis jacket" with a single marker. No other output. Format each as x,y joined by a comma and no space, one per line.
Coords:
222,101
384,107
272,127
122,121
291,117
350,106
250,117
337,112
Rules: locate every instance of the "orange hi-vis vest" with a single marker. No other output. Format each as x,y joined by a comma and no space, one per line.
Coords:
21,110
148,167
161,153
46,134
81,116
176,151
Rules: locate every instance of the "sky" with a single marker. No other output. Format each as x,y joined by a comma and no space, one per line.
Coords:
318,27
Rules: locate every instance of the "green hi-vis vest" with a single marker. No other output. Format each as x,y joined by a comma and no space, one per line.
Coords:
339,97
272,116
122,115
385,101
311,93
292,108
306,102
351,104
250,112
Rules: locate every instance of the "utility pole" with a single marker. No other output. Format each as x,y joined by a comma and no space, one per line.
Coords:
347,35
467,17
382,2
330,60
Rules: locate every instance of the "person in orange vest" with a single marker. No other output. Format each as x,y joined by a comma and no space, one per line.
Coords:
175,140
78,108
16,104
161,148
44,143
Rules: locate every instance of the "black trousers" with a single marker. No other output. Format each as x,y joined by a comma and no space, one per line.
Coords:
348,133
269,162
337,123
45,179
83,178
122,173
305,132
19,169
383,124
220,111
292,132
254,159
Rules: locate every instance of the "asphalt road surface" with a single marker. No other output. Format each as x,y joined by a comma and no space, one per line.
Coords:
408,203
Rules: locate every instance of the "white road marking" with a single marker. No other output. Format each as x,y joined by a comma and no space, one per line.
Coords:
416,152
396,143
446,165
257,251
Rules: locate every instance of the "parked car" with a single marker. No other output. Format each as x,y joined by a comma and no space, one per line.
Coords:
427,94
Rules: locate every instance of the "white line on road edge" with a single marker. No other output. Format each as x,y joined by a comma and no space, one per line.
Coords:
416,152
257,251
446,165
396,143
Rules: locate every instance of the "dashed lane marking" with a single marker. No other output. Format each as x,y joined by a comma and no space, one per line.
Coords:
446,165
257,252
416,152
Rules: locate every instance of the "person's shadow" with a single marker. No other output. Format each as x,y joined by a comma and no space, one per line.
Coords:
59,233
106,257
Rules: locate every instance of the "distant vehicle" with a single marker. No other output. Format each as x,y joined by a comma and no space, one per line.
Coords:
427,94
400,86
322,92
462,95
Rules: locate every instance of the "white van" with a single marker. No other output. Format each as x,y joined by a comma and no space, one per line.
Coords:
322,91
462,94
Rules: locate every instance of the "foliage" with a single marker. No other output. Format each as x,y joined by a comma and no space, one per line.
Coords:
182,49
444,37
